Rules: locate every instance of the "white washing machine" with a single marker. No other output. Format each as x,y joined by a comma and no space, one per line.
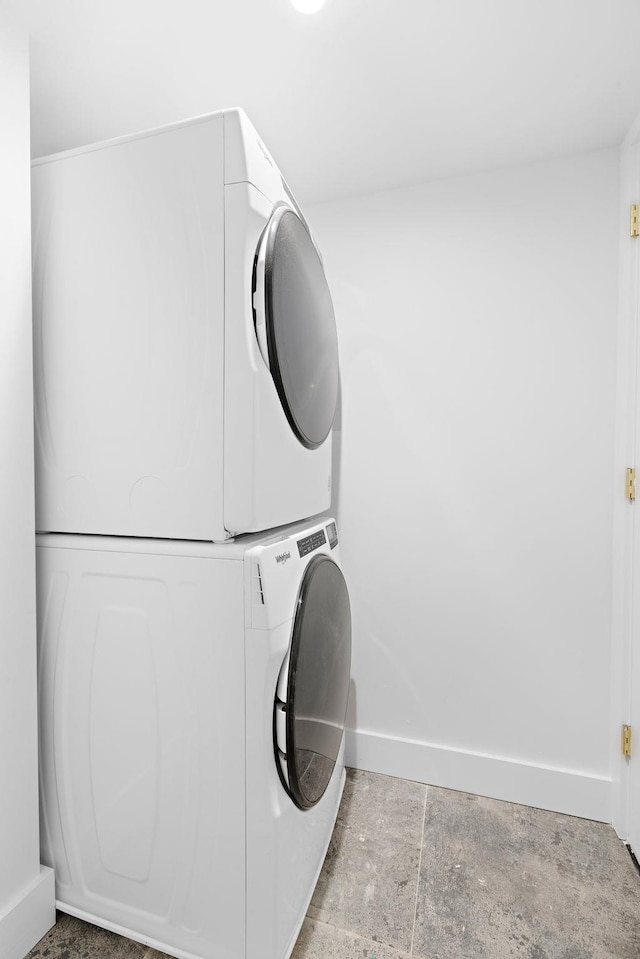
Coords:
192,706
184,338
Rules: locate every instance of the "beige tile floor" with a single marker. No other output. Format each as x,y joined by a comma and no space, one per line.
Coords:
414,870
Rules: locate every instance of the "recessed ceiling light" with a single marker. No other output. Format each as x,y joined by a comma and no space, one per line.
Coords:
307,6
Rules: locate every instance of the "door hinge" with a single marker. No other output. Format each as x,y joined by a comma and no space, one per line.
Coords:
631,484
626,740
634,220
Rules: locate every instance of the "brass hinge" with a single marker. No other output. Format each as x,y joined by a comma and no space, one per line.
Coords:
634,220
631,484
626,740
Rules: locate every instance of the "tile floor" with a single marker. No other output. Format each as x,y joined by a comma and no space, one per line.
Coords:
414,870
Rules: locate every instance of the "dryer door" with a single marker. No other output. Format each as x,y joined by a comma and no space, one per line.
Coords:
295,325
311,703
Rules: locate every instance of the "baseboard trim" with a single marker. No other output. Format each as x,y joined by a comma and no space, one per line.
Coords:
530,784
25,921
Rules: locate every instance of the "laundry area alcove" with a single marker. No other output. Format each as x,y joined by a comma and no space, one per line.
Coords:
453,427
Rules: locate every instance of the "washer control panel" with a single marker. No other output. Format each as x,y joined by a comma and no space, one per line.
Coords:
315,540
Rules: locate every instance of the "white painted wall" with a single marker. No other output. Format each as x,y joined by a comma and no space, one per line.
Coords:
26,892
477,324
626,590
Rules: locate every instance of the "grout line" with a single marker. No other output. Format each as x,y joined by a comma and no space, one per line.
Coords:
415,909
330,925
356,935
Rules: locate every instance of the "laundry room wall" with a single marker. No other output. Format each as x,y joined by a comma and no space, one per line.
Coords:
477,329
26,892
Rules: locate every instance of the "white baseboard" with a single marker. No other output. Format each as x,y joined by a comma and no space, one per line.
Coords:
25,921
545,787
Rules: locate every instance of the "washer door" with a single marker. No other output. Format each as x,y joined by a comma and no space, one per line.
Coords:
311,701
296,327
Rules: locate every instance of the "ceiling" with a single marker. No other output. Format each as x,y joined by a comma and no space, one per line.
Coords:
364,96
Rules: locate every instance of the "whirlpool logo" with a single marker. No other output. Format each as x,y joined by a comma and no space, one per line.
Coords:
283,557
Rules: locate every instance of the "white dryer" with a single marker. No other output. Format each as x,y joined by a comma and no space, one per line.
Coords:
184,338
192,705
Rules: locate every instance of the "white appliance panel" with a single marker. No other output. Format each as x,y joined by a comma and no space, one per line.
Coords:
246,158
129,338
156,415
162,807
142,796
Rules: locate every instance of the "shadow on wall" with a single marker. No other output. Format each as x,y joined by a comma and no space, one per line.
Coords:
350,721
336,449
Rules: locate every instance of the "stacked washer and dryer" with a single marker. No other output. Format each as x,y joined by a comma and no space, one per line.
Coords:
194,649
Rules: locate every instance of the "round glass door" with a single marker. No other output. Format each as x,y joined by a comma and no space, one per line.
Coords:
300,327
309,717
